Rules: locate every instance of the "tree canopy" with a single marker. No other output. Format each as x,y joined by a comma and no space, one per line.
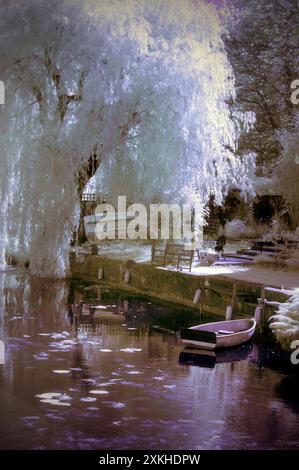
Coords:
137,89
262,44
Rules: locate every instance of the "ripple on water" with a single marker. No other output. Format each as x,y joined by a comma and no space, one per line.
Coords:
116,405
48,395
42,356
64,345
55,402
58,336
130,350
30,421
91,381
61,371
131,384
55,418
54,398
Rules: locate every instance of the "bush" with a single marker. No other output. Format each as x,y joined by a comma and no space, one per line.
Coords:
285,324
269,261
292,261
235,229
239,229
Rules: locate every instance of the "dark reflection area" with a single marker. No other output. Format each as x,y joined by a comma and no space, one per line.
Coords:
137,310
209,359
288,390
90,368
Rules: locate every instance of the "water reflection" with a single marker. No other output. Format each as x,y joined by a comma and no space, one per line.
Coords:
209,359
117,381
288,390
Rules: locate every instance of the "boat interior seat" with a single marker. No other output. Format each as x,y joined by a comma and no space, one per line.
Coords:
225,332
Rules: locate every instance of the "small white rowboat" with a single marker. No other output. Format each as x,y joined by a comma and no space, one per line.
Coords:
223,334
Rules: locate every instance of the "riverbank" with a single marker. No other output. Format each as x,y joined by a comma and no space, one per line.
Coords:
220,286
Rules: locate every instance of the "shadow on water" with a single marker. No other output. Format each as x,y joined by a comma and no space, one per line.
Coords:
288,390
260,354
209,359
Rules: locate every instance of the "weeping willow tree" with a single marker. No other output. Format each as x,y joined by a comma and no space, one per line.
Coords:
134,90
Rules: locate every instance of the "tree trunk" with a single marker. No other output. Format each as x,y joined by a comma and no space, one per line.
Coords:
89,168
86,172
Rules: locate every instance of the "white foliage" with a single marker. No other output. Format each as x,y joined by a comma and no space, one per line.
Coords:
285,324
155,84
235,229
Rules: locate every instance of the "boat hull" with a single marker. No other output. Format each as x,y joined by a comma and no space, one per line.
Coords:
209,336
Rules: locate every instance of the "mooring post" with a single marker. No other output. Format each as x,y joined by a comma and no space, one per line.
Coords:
100,273
263,305
229,312
127,276
126,306
197,296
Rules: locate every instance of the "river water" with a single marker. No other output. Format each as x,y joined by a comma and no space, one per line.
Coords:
121,383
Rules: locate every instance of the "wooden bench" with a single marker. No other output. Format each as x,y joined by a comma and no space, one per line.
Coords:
172,253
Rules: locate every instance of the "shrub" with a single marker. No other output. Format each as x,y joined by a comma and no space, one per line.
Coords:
292,261
269,261
235,229
285,324
239,229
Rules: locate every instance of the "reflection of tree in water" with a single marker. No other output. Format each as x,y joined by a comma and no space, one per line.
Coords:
274,358
288,391
79,362
32,304
139,311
